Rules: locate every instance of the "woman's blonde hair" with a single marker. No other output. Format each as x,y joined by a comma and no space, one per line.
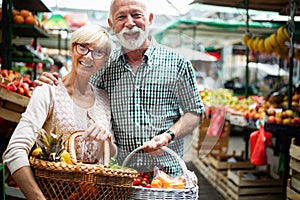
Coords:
92,34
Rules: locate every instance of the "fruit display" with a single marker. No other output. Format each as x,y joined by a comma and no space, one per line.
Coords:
275,43
15,82
217,97
274,109
24,16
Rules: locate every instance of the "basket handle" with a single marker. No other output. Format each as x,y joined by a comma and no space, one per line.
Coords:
182,164
72,151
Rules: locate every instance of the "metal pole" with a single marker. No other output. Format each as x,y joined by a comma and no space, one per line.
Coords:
291,28
247,50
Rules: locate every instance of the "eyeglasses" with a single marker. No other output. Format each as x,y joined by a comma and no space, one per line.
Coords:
83,49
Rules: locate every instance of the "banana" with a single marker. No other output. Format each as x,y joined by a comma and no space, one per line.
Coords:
281,35
268,46
251,43
275,42
261,45
246,38
286,33
255,44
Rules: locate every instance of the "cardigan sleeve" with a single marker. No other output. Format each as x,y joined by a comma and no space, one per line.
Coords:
24,136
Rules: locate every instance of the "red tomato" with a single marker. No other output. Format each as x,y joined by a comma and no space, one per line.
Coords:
145,179
137,182
148,185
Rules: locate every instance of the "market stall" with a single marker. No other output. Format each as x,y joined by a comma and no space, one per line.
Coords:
282,129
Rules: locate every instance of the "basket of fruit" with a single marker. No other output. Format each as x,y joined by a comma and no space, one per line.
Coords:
159,185
61,176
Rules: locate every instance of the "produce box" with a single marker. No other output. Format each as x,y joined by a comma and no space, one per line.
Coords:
293,186
219,164
253,184
229,161
203,144
12,105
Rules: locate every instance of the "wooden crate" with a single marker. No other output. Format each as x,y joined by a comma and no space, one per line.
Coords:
204,144
219,165
292,190
293,186
12,105
253,184
222,161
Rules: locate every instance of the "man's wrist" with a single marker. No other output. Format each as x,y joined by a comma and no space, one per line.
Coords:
171,133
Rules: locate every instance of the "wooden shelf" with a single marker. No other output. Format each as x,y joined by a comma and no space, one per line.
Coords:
29,30
33,5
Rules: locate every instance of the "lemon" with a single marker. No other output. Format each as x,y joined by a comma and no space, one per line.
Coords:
66,157
37,152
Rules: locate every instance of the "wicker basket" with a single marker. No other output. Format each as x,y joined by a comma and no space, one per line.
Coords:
62,181
140,193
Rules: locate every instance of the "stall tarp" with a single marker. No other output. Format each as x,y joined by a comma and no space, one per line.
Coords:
210,32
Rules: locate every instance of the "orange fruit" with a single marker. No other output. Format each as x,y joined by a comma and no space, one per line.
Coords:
156,183
15,12
177,184
18,19
30,20
25,13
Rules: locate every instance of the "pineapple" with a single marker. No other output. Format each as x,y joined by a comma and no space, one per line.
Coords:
51,144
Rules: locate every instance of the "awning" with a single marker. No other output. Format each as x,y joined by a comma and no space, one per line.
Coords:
209,33
280,6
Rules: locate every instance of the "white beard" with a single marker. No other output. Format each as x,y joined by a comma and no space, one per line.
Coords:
132,44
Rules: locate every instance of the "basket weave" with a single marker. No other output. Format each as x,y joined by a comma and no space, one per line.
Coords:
140,193
61,181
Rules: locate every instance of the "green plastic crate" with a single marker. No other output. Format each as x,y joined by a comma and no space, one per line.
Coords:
2,182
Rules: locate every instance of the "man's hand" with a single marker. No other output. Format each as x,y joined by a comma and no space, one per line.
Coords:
47,77
153,147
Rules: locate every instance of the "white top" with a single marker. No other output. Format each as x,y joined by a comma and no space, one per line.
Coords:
51,106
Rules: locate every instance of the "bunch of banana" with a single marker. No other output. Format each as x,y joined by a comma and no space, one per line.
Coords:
272,44
51,147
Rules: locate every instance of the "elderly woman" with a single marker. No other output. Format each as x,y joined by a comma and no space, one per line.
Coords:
71,106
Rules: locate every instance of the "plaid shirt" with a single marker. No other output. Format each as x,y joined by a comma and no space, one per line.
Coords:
147,102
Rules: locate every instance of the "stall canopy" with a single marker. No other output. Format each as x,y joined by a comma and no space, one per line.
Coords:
280,6
209,34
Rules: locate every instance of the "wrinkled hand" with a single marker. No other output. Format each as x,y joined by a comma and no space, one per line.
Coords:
97,132
47,77
153,147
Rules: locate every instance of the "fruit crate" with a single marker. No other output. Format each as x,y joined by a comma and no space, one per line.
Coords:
253,184
293,186
12,105
203,144
2,183
218,166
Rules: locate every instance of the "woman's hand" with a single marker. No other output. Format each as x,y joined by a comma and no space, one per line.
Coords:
47,77
153,147
97,132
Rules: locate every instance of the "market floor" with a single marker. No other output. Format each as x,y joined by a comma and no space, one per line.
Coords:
206,190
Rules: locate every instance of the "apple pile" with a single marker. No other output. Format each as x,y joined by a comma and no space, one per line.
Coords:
287,117
13,81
